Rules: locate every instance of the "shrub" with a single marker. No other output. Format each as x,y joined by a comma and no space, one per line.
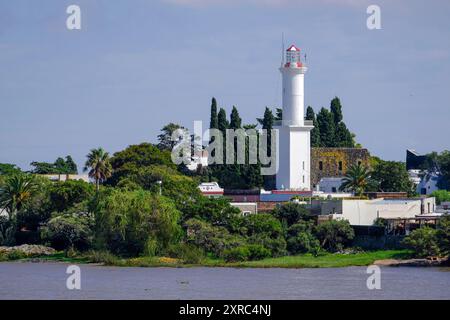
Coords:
189,253
441,196
211,238
443,234
334,235
263,224
7,232
277,246
69,230
237,254
423,241
15,255
300,238
290,213
104,257
258,252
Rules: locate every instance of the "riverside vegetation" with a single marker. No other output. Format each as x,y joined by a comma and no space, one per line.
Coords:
145,211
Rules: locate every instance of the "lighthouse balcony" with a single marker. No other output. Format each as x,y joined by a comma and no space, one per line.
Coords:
279,123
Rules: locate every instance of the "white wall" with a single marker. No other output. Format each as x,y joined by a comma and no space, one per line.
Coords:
365,212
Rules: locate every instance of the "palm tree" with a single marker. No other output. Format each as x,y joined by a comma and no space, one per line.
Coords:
356,179
99,166
15,191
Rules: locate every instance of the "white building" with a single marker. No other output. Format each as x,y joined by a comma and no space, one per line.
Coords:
365,212
211,189
66,177
330,184
428,184
294,149
246,208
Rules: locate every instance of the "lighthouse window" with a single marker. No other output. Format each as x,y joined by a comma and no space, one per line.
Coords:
303,165
320,165
304,182
340,165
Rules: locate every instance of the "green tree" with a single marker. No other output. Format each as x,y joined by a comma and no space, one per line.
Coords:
300,238
391,176
69,231
443,160
213,239
267,123
43,168
174,185
71,165
344,138
315,132
64,195
8,169
165,138
336,110
128,162
443,235
334,235
15,191
291,213
235,119
214,120
135,222
441,196
223,123
325,123
423,241
99,166
357,179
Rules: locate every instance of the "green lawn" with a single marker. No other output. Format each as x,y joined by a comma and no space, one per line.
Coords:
326,260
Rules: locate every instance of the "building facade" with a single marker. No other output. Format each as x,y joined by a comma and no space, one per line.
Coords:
334,162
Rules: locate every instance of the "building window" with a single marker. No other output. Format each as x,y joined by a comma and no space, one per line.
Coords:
320,165
340,165
359,163
333,189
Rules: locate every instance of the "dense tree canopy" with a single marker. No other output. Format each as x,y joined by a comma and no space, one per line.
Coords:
391,176
60,166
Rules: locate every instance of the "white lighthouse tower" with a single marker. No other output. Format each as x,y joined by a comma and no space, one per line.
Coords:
294,132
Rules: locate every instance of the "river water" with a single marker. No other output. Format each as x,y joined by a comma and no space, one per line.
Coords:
26,280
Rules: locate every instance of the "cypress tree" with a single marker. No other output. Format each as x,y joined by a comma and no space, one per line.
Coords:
235,119
267,123
222,122
315,133
336,110
214,121
326,127
71,165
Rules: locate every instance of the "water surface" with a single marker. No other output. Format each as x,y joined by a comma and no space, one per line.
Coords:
26,280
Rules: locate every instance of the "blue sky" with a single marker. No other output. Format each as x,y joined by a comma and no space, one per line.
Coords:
137,65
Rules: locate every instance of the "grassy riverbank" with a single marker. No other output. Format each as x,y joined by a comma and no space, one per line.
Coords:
326,260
